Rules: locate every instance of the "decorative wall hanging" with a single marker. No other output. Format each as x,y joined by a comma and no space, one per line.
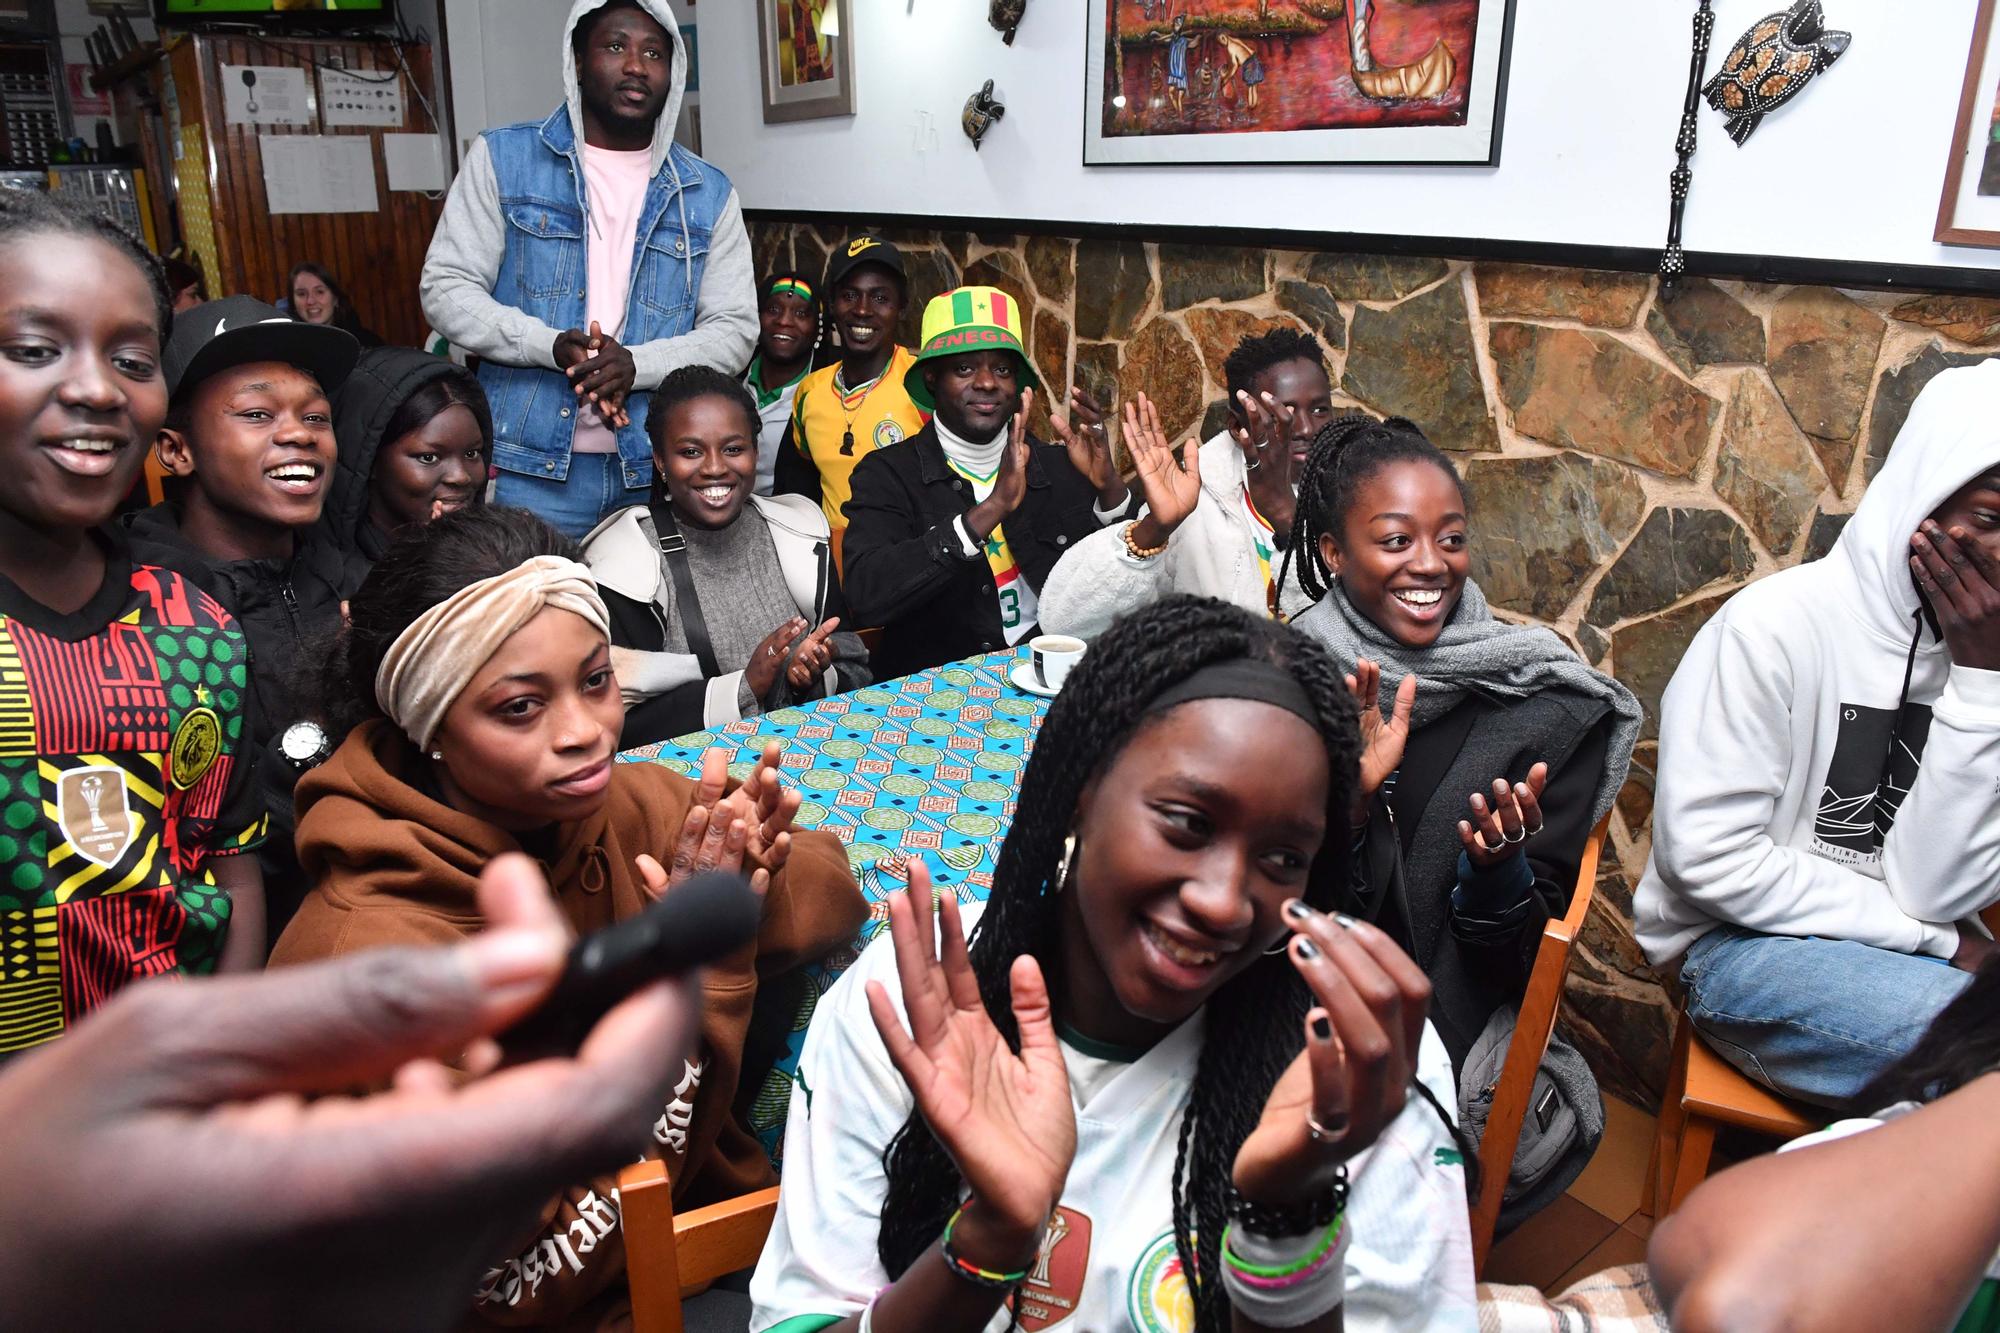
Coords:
1771,64
805,54
982,109
1268,81
1969,212
1673,262
1005,16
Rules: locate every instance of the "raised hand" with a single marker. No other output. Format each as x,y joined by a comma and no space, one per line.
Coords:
1265,440
812,656
1382,738
1352,1078
1172,490
760,673
711,838
1005,1118
1962,584
1502,822
1010,484
1089,447
767,807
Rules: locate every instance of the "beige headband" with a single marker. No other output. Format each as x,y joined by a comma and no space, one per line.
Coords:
430,663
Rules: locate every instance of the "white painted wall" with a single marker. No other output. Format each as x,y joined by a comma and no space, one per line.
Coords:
506,59
1850,171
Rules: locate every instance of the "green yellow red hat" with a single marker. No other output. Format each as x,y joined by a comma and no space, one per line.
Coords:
968,319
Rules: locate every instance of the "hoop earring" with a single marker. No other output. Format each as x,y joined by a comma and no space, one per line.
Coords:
1284,943
1062,866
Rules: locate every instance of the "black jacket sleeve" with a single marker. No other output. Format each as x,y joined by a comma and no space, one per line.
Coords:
896,557
794,473
1499,947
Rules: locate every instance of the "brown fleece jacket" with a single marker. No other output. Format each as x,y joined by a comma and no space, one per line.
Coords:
392,864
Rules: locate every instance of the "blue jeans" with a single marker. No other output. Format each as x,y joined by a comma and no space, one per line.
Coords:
594,491
1814,1019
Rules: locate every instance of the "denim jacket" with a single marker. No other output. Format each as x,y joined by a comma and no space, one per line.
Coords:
540,183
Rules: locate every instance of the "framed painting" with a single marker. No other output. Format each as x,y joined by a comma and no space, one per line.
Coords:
1969,213
1274,81
805,50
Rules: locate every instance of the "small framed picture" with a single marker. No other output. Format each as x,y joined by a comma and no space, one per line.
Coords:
806,52
1969,213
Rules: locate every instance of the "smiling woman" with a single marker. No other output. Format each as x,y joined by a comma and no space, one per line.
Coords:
476,677
1491,749
724,604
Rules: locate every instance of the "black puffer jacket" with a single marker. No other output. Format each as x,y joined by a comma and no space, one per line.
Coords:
290,610
382,380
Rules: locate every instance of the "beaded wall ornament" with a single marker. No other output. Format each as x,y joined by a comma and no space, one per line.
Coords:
1673,262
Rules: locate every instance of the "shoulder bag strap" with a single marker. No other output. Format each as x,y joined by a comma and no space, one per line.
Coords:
673,549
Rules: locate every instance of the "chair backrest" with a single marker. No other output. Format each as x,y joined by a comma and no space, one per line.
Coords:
668,1256
1539,1007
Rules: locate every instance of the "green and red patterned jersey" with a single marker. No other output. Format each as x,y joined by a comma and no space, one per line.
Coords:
125,768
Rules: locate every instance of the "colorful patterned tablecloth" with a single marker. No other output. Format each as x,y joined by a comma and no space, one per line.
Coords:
924,766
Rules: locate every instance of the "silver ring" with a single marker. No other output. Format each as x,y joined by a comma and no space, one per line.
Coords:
1531,832
771,652
1514,841
1252,467
1323,1133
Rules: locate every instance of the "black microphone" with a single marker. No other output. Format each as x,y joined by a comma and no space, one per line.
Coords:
692,923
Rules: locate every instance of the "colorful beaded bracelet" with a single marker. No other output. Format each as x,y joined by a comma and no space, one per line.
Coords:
971,1272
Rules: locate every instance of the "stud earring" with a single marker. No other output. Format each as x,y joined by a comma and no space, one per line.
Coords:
1062,866
437,756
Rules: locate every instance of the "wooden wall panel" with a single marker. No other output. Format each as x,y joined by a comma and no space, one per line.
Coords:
378,256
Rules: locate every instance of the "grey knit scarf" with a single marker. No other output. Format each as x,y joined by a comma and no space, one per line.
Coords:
1478,655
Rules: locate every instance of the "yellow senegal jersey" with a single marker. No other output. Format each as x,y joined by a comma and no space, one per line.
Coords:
835,431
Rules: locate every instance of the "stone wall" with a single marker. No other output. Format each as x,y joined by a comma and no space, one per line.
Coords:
1632,461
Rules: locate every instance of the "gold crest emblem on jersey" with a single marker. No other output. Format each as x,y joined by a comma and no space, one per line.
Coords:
197,743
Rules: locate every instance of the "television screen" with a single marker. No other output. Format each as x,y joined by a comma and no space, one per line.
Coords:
311,10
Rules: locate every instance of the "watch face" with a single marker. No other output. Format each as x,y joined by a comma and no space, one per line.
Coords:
304,743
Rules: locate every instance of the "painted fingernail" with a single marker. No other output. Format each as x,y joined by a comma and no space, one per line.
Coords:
1322,1027
1346,922
1296,910
1306,948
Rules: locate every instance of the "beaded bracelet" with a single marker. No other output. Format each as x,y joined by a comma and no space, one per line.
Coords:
1278,1221
971,1272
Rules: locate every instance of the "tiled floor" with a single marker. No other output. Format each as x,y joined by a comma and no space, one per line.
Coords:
1597,1224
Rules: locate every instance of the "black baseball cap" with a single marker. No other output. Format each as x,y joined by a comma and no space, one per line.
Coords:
241,330
867,248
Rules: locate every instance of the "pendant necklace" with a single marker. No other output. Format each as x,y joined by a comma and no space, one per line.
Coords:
847,438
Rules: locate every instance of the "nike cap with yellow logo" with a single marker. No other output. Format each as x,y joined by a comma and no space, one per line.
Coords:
970,319
241,330
865,249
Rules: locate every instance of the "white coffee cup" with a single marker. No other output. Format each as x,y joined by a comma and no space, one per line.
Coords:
1054,655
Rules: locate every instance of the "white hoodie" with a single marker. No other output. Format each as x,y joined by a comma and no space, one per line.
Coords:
1776,732
471,239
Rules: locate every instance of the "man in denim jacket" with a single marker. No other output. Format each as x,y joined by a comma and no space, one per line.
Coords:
584,258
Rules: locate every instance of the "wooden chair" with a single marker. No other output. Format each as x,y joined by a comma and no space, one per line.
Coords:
1704,1093
668,1258
1539,1007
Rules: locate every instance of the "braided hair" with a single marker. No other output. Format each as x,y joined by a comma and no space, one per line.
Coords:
1260,352
1254,1022
692,382
31,212
1348,450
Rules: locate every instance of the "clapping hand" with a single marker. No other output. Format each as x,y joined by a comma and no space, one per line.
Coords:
1265,439
1010,484
1089,446
1005,1118
812,656
760,673
767,807
1172,490
1352,1078
1501,823
714,835
1382,738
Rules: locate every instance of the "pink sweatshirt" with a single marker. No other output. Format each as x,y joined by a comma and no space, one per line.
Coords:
615,186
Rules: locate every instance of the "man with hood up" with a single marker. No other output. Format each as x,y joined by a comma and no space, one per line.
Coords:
1826,826
585,257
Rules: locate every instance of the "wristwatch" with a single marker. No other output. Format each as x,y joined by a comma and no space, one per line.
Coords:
305,745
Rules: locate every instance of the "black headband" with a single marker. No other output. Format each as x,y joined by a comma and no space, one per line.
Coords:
1242,678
